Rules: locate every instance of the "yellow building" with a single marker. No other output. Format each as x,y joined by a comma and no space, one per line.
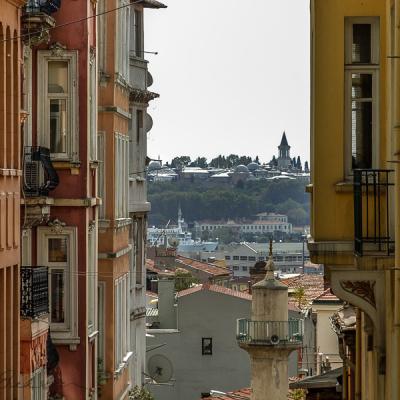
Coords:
355,180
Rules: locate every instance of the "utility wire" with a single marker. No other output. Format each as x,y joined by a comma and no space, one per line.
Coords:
76,22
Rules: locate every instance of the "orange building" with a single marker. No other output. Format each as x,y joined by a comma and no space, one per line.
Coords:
10,173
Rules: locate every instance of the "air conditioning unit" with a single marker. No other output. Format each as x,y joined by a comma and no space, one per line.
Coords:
274,339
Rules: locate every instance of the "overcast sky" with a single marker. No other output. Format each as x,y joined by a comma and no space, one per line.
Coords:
232,76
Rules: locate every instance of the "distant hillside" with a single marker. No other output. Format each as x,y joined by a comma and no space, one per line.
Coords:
199,201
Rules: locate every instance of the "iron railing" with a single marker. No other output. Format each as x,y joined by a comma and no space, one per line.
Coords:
39,174
34,291
372,211
45,6
270,332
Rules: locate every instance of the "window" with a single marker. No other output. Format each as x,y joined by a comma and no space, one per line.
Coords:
236,257
227,257
92,277
92,117
243,258
57,86
361,73
56,248
139,240
139,125
122,39
206,346
122,338
101,184
235,268
244,268
139,33
121,175
252,258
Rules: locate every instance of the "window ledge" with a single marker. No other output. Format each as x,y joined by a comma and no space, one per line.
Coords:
344,187
10,172
123,365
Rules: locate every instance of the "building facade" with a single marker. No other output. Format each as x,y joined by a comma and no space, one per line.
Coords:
355,114
10,175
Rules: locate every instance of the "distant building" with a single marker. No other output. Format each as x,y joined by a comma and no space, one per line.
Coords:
284,160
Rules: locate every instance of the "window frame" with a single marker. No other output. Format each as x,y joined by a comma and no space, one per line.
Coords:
92,283
205,352
372,68
66,332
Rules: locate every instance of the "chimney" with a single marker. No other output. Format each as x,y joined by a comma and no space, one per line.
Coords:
166,302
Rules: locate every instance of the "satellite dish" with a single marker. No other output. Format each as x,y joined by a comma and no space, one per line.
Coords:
160,368
148,122
173,241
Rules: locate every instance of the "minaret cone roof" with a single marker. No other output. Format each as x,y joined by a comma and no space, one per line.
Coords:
284,141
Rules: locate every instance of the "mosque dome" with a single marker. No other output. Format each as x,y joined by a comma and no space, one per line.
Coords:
252,166
154,165
241,169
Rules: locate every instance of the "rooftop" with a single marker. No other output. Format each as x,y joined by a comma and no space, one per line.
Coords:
327,297
208,268
242,394
215,289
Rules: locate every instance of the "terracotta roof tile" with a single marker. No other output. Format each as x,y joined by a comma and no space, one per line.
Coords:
216,289
327,295
202,266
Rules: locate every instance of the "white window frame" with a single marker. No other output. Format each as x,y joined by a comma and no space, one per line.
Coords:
66,332
121,154
122,344
92,108
122,39
92,278
43,115
356,68
101,177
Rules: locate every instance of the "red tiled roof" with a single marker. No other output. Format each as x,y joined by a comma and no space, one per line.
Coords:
216,289
228,292
202,266
313,286
242,394
327,296
150,266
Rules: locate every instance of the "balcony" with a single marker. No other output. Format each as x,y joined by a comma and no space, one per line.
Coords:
34,292
39,176
372,192
270,333
37,20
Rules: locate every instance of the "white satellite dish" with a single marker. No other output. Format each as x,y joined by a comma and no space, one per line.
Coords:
173,241
160,368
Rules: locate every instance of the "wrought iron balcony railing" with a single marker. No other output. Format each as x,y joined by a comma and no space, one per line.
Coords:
270,333
34,291
372,211
39,174
44,6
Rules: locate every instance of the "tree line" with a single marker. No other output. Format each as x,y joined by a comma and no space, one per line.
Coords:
233,160
200,202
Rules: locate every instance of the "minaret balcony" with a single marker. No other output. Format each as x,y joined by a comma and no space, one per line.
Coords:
270,333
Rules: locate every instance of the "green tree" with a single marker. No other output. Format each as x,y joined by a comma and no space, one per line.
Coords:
200,162
180,162
184,279
300,296
140,393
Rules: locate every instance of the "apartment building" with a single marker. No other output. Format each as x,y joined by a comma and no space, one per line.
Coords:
355,115
123,124
59,206
10,175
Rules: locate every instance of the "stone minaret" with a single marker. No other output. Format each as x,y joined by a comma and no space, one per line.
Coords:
269,337
284,153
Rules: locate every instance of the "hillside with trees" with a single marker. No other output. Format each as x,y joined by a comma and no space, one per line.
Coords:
200,202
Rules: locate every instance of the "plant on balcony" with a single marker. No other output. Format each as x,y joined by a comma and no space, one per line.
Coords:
140,393
297,394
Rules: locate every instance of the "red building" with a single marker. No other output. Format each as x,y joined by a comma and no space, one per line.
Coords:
59,212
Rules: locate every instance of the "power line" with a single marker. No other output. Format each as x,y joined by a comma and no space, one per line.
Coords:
76,22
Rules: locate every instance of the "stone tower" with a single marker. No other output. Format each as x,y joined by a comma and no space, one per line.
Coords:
269,337
284,153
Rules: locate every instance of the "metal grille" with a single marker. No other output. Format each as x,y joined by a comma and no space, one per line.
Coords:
34,291
372,211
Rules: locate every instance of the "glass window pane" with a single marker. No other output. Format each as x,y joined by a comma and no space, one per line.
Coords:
57,285
361,86
58,77
361,134
58,126
361,46
58,250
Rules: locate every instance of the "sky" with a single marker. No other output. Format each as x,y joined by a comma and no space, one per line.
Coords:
232,76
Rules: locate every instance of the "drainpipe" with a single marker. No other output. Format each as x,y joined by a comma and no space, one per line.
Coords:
396,157
358,356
